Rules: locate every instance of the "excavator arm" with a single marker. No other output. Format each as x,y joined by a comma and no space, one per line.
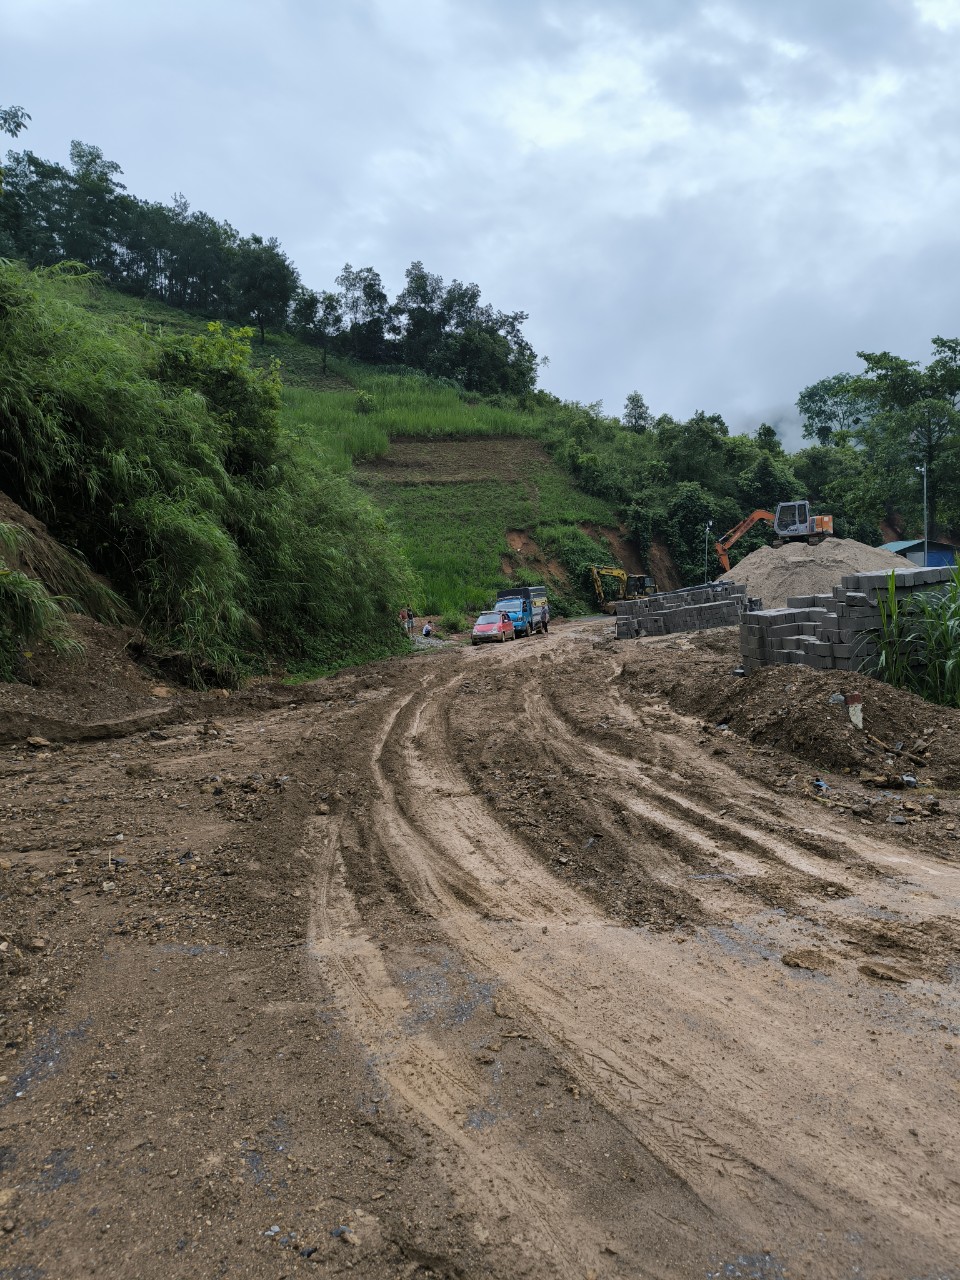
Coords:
598,573
726,542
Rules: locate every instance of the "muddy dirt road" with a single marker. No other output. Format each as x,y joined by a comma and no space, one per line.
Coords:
483,963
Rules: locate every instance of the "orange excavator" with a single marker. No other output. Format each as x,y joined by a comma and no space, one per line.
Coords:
791,522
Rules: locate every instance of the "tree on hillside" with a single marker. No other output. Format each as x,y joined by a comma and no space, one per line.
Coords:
316,317
182,256
767,438
265,282
91,213
694,450
12,121
52,213
915,423
420,315
365,308
832,406
636,415
768,481
447,331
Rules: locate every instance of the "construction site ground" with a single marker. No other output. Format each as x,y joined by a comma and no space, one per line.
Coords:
561,958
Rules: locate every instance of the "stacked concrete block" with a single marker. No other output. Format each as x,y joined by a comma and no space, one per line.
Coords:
838,631
716,604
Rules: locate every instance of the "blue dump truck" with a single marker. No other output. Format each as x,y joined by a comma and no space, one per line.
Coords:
523,605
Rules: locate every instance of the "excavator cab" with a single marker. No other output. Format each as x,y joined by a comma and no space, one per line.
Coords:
792,519
640,584
611,583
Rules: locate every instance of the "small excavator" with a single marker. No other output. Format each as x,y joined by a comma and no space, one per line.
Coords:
791,522
620,585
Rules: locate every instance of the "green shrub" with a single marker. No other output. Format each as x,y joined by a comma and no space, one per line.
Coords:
454,623
364,402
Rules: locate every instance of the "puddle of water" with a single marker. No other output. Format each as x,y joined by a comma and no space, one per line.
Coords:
742,943
445,993
57,1170
754,1266
44,1061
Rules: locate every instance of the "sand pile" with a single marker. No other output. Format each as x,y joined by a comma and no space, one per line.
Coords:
797,569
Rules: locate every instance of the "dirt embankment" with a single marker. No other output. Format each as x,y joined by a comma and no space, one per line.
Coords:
483,963
801,712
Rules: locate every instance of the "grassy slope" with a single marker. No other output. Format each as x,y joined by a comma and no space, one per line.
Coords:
451,514
474,514
454,478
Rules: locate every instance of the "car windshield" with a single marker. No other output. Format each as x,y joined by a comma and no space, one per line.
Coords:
489,617
510,605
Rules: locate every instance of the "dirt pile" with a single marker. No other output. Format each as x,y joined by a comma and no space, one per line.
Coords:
65,697
797,569
790,709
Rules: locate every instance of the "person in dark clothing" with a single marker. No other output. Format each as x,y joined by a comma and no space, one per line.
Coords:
545,619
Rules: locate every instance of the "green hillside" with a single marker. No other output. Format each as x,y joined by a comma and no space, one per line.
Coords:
250,507
468,486
157,455
458,510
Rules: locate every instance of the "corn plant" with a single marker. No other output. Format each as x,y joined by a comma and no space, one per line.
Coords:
919,641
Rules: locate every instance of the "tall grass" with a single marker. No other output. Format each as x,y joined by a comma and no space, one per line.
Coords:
919,641
30,614
28,611
328,427
454,535
356,421
410,403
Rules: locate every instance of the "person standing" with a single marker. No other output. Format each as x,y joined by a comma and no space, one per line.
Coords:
409,621
545,618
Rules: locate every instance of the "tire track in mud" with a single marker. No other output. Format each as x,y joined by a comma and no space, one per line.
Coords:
651,793
421,1073
865,866
439,1089
596,991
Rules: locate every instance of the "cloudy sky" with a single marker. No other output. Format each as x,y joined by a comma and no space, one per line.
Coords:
715,203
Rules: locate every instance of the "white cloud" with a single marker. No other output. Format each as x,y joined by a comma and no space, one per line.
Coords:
943,14
714,202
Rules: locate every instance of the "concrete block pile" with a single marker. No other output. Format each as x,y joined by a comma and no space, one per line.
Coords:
837,631
716,604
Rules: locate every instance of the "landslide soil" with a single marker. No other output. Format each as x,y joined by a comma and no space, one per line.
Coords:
545,959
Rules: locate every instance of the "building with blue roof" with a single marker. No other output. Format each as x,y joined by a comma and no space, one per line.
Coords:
939,554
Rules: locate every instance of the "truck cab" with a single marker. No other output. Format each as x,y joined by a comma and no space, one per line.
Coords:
523,604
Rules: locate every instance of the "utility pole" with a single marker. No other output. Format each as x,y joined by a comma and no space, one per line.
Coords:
926,527
706,549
